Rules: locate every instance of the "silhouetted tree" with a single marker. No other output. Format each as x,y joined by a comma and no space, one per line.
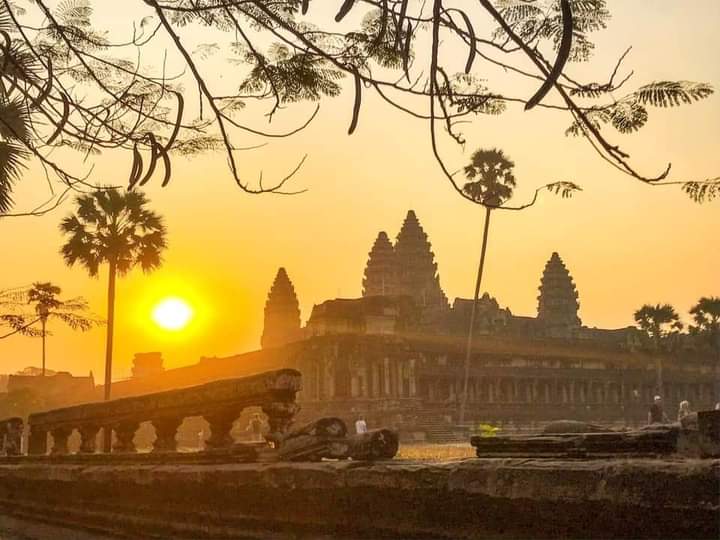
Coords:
114,228
65,83
44,299
706,315
659,323
490,183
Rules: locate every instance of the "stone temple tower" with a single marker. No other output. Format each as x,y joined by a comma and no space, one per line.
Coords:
282,313
381,271
558,301
417,270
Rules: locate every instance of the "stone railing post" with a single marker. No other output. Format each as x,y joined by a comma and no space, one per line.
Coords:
88,438
221,423
60,437
165,431
124,433
11,431
280,415
37,442
219,402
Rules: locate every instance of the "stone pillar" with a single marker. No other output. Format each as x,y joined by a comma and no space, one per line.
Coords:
413,380
60,441
37,442
221,423
12,445
386,376
375,379
88,438
165,432
124,433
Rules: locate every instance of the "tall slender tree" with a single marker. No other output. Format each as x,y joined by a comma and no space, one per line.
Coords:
114,228
706,315
490,183
659,323
48,306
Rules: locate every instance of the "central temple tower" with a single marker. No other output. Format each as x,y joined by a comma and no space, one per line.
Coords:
407,269
417,269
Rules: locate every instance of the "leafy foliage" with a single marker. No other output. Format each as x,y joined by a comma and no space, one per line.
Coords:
491,180
293,76
538,21
706,314
81,90
113,227
467,93
630,114
702,191
672,93
658,322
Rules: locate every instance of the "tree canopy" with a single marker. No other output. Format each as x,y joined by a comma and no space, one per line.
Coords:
67,85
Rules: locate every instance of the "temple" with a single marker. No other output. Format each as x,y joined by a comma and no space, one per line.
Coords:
395,355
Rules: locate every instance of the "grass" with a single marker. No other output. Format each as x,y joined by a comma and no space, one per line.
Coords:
435,452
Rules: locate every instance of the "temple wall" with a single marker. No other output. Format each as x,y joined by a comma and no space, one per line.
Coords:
398,382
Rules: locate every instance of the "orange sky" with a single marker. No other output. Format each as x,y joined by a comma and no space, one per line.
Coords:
624,243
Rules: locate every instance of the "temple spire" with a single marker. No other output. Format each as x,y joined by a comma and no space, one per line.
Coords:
282,313
558,301
417,269
381,269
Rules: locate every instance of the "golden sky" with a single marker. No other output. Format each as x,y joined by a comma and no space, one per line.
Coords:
624,243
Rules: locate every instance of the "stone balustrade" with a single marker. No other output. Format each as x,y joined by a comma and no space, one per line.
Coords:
11,430
219,402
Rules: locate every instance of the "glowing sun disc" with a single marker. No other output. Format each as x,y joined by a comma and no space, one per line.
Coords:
172,314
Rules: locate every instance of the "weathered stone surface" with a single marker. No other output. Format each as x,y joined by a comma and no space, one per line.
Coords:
327,438
697,436
491,498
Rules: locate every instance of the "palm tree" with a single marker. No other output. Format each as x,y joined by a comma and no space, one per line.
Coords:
490,183
44,297
706,314
114,228
658,322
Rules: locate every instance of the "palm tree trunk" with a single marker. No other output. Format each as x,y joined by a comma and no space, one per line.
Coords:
43,347
107,431
110,329
478,282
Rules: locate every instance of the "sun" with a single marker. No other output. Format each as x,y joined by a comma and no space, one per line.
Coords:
172,314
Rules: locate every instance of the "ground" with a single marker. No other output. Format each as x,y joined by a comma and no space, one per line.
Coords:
435,452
